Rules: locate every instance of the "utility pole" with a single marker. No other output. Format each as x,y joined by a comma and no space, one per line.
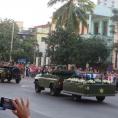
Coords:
12,39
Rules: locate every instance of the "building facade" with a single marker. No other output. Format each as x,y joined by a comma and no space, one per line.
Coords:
115,47
113,4
20,25
108,3
99,24
41,33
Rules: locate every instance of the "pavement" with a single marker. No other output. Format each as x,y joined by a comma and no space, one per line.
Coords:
45,106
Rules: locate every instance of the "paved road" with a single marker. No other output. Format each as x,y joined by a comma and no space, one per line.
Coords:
46,106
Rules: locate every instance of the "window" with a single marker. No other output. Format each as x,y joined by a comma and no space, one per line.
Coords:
105,28
96,28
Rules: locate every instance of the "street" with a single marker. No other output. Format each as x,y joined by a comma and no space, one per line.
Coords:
45,106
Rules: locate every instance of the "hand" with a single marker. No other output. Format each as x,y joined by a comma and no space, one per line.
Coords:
22,108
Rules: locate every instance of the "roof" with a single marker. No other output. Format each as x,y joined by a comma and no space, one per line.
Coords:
42,26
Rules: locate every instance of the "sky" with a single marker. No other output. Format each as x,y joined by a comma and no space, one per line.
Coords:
31,12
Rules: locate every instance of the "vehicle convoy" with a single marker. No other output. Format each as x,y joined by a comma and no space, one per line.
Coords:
88,86
53,80
10,72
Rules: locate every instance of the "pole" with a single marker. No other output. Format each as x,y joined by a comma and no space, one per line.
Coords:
11,46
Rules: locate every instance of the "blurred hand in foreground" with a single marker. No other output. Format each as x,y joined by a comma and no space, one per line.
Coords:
21,108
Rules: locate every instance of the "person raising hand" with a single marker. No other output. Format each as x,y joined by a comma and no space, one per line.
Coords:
21,108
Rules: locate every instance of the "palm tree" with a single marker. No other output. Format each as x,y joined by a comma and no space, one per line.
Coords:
71,14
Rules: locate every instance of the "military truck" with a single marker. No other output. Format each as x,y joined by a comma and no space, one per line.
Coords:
53,80
90,87
10,72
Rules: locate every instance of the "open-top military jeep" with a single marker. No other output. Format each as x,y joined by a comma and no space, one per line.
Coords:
53,80
43,81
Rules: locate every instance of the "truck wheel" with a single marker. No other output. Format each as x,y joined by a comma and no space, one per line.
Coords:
17,81
37,88
54,91
100,98
2,80
9,80
76,97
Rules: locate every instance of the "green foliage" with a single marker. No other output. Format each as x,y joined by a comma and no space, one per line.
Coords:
67,48
24,48
61,46
5,37
92,51
71,14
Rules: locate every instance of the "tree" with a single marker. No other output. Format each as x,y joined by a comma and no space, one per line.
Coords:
24,48
5,37
61,47
93,51
71,14
68,48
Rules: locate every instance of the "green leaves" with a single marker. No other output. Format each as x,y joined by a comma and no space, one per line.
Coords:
52,2
20,49
71,14
92,51
61,46
67,48
5,37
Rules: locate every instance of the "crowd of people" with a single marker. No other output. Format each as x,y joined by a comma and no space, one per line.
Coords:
111,76
30,70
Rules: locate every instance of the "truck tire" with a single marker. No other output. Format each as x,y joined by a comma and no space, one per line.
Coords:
9,80
37,88
17,81
100,98
76,97
54,91
2,80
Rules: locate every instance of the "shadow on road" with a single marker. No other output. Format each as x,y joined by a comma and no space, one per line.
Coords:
89,101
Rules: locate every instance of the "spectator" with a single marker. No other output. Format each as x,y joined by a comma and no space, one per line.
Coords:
22,108
27,71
